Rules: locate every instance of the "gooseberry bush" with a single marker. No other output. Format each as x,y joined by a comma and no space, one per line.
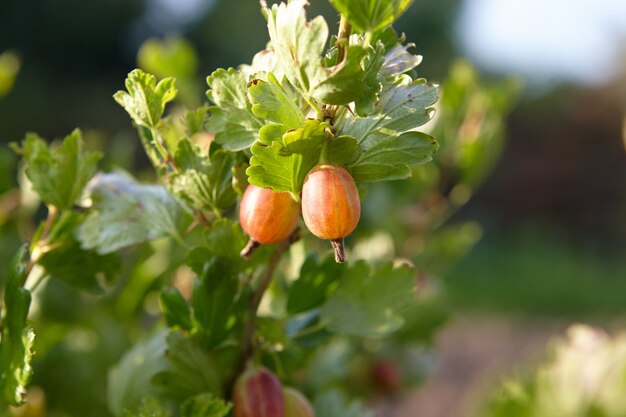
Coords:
256,316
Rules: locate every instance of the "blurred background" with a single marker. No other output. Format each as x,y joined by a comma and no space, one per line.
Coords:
552,213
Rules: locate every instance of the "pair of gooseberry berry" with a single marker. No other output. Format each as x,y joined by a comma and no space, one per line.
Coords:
330,209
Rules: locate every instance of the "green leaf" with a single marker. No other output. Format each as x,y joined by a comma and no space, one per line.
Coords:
131,379
263,62
175,308
405,150
399,60
235,126
306,330
335,404
144,99
217,310
371,15
274,103
388,144
284,164
382,67
124,212
374,173
369,303
16,336
365,104
194,120
344,82
342,150
205,405
298,45
316,282
168,365
205,182
58,175
149,407
65,260
191,369
225,239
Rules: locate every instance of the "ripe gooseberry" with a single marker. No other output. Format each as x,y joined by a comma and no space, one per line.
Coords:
258,393
266,216
330,205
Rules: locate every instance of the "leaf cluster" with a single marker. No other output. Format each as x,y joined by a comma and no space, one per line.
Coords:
299,105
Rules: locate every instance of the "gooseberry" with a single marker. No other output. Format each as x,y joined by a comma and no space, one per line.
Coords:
330,205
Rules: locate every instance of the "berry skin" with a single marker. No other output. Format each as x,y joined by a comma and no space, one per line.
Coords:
267,216
330,205
258,393
296,404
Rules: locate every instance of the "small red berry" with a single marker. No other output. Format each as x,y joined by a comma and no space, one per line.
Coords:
258,393
330,205
267,216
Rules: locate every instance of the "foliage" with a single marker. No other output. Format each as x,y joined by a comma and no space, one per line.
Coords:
16,339
124,213
164,256
58,176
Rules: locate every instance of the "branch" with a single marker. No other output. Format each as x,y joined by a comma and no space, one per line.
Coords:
343,36
53,212
32,261
343,41
257,295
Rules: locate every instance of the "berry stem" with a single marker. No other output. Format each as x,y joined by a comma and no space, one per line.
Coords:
247,251
340,253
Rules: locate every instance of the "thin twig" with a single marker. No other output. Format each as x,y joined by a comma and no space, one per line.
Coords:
253,306
343,38
343,41
257,295
165,153
53,212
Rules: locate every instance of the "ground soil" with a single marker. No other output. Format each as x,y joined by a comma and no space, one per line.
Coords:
474,354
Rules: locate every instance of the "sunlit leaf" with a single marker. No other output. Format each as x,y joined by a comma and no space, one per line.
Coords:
58,175
371,15
299,45
232,120
145,99
284,164
388,144
123,212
